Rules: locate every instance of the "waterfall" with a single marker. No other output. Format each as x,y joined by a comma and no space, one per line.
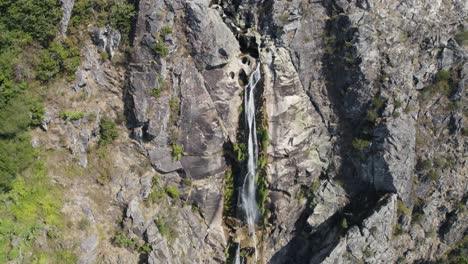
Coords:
237,260
248,191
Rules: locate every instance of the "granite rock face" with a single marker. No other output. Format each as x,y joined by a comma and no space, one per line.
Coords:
365,141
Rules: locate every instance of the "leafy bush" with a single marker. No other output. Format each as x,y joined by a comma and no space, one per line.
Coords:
165,30
402,209
462,38
443,76
241,151
155,92
344,223
174,106
122,240
372,115
39,19
29,205
441,85
166,228
60,57
121,15
162,226
177,151
261,193
16,155
108,131
229,192
71,115
172,191
360,144
14,117
161,49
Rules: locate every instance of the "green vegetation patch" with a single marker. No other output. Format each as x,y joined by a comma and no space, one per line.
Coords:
71,115
360,144
160,49
60,57
177,151
122,240
172,191
167,228
108,131
462,38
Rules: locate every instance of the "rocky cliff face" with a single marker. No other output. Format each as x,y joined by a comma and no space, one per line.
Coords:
362,109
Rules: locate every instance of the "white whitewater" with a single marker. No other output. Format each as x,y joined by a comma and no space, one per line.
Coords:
248,192
238,261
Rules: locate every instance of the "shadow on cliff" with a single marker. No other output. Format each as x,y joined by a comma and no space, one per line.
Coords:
341,70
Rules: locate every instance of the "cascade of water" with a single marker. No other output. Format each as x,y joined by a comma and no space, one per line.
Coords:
238,261
248,192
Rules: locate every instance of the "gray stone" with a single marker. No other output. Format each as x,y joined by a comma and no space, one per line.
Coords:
212,41
67,7
106,39
390,166
88,252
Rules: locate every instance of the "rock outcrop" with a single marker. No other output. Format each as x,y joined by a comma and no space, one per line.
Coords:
361,108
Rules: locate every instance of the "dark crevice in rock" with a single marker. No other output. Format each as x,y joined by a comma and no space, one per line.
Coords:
316,244
340,76
344,78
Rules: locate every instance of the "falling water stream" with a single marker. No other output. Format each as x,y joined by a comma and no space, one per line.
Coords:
248,201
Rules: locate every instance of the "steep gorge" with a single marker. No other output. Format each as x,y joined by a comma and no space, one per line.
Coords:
360,110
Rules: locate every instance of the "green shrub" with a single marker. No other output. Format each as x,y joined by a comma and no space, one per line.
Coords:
37,112
432,175
39,19
229,192
108,131
443,76
48,66
16,155
82,14
241,151
166,228
262,161
177,151
360,144
424,165
462,38
397,104
122,240
163,227
402,209
284,17
60,57
155,92
372,115
157,193
14,117
261,193
165,30
263,136
71,115
104,55
344,223
161,49
172,191
30,204
121,16
174,106
378,102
